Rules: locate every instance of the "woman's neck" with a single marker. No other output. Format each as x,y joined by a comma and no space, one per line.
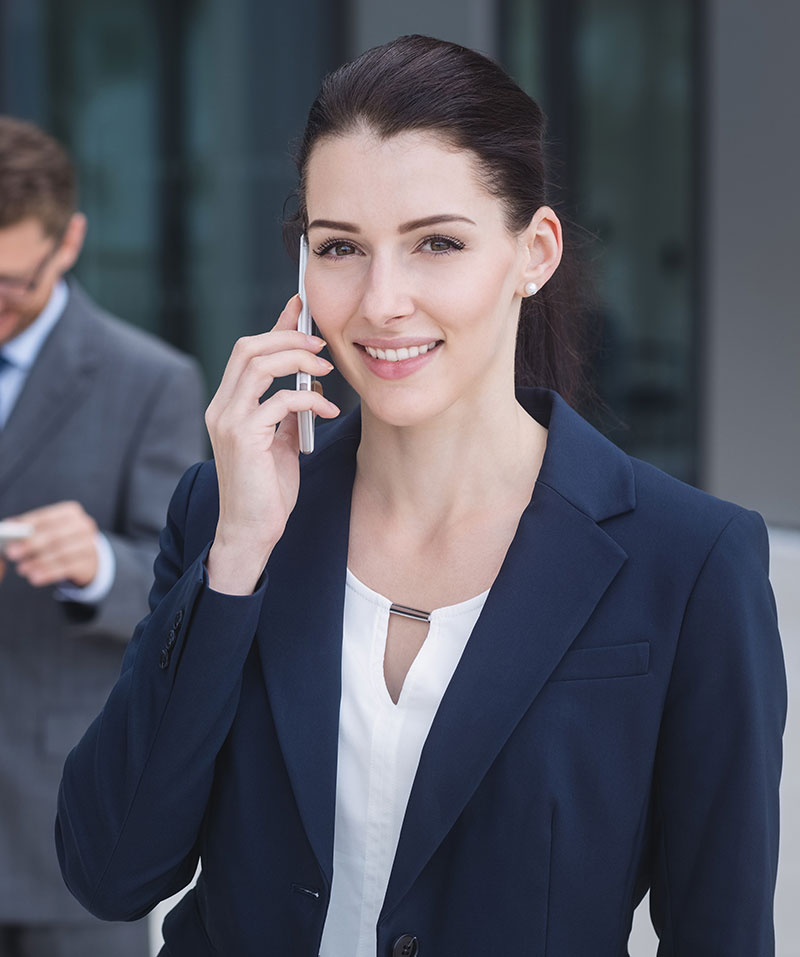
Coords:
474,457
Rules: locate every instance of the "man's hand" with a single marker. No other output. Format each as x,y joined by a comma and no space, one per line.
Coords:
62,548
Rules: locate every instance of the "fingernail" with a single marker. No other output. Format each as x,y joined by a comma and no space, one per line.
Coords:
324,364
315,341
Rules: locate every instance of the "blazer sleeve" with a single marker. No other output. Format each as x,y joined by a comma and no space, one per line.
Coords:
134,790
167,438
719,759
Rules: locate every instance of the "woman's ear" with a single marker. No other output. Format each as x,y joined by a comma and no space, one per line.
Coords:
544,244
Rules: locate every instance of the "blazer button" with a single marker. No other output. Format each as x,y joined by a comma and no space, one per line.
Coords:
171,639
405,946
178,619
163,661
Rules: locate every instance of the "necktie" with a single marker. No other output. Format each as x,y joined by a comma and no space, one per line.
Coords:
4,365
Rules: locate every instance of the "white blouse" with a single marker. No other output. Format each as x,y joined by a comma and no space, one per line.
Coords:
380,743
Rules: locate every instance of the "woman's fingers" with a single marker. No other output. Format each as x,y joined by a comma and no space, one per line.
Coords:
250,347
278,406
289,315
283,336
257,464
288,430
258,369
234,426
261,371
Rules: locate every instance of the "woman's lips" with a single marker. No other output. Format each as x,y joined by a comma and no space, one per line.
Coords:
404,363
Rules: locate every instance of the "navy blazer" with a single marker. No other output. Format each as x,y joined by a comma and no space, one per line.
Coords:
614,724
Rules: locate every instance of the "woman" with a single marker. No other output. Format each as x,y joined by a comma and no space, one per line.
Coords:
590,697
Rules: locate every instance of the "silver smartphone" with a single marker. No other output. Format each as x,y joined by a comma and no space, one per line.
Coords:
305,419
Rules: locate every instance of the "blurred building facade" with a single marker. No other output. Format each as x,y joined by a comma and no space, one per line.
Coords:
181,113
674,153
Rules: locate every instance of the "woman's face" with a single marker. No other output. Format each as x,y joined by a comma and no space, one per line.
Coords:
408,251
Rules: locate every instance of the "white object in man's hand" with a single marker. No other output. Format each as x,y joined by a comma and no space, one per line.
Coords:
14,532
61,548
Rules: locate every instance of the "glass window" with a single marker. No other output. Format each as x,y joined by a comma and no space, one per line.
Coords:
616,80
179,117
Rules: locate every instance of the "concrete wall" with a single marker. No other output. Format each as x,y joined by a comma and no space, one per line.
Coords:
752,383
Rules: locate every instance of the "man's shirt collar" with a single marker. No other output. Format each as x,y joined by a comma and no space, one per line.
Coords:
23,350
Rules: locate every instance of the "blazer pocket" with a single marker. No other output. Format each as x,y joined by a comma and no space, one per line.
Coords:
613,661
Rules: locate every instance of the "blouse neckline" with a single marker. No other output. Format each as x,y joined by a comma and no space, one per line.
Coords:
444,611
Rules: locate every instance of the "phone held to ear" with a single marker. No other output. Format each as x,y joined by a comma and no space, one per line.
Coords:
305,419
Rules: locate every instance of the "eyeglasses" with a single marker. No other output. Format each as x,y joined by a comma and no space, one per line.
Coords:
16,288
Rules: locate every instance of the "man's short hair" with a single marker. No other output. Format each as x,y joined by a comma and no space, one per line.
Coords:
37,179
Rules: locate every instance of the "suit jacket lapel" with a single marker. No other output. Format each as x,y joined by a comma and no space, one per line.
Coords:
556,571
58,382
300,639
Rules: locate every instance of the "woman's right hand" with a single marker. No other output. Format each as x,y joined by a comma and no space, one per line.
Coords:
256,447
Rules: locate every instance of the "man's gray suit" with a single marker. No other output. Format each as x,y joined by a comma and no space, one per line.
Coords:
111,418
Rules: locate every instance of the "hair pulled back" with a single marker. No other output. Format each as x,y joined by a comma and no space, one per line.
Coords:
418,83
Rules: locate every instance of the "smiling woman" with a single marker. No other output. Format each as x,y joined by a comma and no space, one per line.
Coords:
386,277
473,111
469,679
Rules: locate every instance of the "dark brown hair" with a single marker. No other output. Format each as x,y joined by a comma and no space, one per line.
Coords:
36,178
422,84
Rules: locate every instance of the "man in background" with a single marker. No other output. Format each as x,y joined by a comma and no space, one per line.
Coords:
97,423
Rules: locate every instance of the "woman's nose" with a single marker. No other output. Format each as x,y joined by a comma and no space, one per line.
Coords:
387,293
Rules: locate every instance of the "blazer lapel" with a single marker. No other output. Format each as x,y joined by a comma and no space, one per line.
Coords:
300,638
58,382
557,569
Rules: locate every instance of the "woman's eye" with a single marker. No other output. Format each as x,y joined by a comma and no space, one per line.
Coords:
442,244
336,250
342,249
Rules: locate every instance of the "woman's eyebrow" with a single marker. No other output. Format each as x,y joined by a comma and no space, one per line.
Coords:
433,221
333,224
405,228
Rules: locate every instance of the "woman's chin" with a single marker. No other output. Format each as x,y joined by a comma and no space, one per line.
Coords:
400,411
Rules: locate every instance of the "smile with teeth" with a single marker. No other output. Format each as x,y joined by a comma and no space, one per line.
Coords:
398,355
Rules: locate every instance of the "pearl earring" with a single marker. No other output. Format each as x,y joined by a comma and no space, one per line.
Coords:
530,288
